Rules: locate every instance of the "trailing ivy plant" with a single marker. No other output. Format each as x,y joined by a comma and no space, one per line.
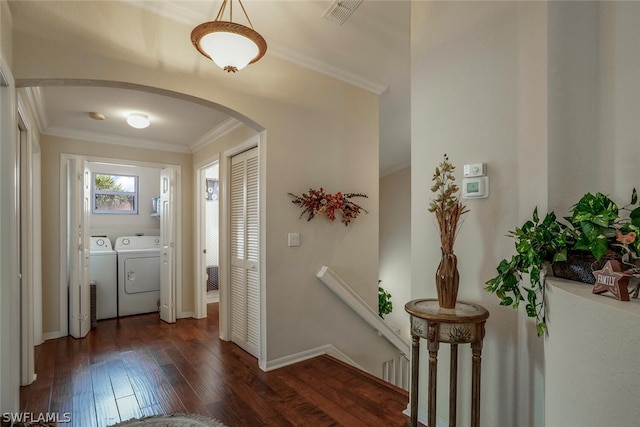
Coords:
536,243
595,226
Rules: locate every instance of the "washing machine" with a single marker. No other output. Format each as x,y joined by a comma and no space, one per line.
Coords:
138,274
103,272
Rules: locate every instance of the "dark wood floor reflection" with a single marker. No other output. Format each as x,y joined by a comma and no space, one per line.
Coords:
138,366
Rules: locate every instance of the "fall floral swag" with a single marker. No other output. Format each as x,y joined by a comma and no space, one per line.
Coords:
318,201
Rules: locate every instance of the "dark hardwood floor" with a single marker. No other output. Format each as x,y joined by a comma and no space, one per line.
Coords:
139,365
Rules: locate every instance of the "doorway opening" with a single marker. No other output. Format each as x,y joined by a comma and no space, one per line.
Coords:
156,218
212,233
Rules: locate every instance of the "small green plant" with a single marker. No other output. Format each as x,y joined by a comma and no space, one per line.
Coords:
384,302
597,219
536,242
595,226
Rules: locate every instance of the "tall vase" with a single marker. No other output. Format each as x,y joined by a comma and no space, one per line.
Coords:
447,280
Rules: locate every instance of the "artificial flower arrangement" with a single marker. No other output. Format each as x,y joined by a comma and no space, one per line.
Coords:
318,201
448,210
447,206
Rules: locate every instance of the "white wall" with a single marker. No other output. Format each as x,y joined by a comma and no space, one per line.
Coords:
593,146
395,245
479,95
593,132
114,226
592,374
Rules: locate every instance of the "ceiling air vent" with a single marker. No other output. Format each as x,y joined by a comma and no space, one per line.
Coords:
341,10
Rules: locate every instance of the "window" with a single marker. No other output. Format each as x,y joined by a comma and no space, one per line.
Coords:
115,194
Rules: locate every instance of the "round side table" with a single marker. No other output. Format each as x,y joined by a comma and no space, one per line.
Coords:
463,324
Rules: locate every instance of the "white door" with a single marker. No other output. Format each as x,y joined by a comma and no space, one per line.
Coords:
167,237
79,178
26,252
245,233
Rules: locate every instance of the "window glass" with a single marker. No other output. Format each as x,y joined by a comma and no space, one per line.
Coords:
115,194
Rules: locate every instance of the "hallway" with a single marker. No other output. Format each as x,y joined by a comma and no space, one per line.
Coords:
138,366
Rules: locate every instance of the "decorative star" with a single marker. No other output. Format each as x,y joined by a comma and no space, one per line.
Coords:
610,279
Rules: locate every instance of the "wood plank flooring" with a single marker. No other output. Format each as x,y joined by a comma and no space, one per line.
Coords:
139,365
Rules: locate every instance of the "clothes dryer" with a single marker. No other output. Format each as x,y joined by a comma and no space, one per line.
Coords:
138,274
103,272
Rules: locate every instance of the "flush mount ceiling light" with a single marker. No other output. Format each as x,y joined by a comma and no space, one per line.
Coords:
230,45
138,120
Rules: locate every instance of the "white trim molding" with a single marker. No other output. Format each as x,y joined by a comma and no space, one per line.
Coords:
328,349
353,300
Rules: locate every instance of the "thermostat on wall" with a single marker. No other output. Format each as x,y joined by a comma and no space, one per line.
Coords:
475,188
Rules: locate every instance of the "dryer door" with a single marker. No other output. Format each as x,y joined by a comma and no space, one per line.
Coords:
142,274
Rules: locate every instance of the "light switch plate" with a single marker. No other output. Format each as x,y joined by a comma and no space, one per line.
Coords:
294,239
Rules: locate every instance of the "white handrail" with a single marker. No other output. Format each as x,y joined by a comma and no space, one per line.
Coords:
353,300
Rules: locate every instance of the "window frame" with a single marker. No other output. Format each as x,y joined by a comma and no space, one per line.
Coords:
95,192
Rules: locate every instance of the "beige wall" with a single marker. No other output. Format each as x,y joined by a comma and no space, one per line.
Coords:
395,245
6,26
320,132
479,95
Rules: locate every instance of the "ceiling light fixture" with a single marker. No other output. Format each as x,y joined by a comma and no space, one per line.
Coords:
230,45
138,120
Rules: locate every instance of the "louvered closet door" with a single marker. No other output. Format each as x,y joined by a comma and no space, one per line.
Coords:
245,232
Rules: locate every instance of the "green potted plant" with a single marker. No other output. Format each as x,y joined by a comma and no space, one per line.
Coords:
384,301
594,228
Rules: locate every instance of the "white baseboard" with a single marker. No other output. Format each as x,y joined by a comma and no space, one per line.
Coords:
52,335
308,354
185,314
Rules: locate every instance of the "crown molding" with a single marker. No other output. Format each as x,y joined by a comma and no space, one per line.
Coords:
321,67
115,140
218,132
35,102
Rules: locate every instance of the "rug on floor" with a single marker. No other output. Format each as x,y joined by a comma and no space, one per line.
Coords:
172,420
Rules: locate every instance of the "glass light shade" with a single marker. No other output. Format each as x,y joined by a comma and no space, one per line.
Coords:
138,120
230,45
229,50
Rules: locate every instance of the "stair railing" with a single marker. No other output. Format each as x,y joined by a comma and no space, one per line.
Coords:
353,300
